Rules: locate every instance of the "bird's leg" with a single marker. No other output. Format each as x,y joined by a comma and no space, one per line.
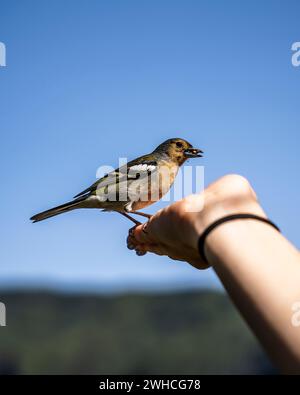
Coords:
128,209
129,217
142,214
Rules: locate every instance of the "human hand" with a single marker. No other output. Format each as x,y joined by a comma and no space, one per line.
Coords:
174,231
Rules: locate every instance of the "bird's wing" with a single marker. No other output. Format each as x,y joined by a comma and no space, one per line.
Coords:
131,171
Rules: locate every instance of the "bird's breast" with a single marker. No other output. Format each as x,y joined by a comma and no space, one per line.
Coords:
150,189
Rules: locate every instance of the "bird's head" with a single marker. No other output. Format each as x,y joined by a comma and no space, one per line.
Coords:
179,150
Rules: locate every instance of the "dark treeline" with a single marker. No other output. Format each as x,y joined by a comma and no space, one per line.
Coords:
179,333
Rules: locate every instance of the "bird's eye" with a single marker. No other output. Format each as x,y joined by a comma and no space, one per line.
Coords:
179,145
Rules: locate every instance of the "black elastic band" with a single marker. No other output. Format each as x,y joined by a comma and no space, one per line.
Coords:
202,238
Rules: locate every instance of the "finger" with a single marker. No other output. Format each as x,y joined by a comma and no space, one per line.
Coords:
149,231
142,234
131,231
131,243
141,249
140,252
157,249
162,249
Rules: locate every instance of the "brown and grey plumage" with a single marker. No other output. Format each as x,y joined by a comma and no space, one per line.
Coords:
133,186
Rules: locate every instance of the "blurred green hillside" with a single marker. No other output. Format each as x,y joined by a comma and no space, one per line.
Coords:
188,333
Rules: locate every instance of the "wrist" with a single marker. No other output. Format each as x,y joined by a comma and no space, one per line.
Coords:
230,195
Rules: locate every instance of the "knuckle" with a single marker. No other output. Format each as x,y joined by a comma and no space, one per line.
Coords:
238,183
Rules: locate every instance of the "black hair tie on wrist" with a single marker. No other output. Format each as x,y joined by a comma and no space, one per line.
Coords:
202,238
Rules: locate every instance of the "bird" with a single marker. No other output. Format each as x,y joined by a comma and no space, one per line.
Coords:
133,186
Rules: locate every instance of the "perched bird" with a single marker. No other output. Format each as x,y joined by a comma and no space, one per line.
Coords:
133,186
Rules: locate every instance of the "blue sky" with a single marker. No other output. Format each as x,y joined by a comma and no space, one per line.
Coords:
89,81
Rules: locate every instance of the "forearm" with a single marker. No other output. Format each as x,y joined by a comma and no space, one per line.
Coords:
261,271
259,268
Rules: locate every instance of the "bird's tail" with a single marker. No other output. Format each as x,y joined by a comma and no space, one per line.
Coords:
58,210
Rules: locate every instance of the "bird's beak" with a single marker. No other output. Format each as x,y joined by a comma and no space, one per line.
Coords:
193,153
